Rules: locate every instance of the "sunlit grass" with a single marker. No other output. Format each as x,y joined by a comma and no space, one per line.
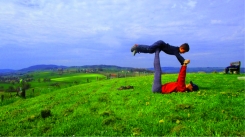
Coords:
99,109
78,77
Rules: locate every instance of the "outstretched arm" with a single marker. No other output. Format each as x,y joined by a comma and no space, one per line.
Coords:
180,58
156,87
182,75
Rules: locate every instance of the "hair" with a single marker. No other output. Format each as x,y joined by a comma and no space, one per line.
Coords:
185,46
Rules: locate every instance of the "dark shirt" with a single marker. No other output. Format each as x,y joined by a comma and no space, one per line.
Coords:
165,47
172,50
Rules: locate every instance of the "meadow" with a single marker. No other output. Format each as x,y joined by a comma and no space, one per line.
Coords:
99,109
47,81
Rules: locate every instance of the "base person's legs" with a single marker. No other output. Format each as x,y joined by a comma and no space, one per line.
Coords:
157,84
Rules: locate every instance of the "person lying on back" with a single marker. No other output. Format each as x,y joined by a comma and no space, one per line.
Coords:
178,86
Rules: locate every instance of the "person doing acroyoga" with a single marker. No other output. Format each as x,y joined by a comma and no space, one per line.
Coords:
178,86
165,47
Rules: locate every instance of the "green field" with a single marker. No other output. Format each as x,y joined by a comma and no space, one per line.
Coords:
64,80
98,108
56,81
78,77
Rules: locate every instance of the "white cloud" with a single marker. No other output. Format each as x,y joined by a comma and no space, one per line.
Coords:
200,54
192,3
103,26
109,41
216,21
236,34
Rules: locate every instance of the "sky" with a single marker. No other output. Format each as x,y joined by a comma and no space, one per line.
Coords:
102,32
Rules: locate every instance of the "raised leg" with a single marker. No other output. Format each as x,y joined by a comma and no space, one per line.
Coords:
157,83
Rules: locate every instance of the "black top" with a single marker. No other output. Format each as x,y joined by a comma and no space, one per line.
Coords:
173,50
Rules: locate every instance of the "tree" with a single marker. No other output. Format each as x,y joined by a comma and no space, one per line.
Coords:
23,87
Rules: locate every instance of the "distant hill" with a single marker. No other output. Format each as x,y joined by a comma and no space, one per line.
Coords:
53,67
6,71
194,69
114,67
105,67
41,67
31,68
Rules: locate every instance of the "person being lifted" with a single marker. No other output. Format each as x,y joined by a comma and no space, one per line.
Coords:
165,47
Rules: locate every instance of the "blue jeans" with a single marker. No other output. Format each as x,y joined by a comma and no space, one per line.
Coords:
151,49
157,83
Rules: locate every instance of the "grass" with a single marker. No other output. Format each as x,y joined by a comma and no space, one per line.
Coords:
56,82
99,109
64,80
79,77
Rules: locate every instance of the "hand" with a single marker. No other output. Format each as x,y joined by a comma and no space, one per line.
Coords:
187,61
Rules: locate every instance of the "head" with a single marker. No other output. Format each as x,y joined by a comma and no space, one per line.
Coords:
189,87
184,48
192,87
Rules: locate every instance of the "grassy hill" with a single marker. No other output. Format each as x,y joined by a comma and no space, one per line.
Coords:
99,108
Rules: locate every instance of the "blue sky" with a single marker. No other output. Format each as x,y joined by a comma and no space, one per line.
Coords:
94,32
